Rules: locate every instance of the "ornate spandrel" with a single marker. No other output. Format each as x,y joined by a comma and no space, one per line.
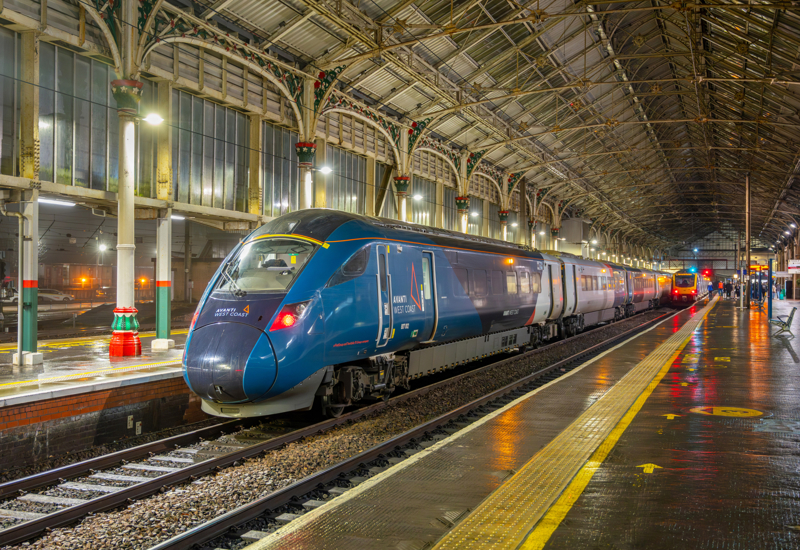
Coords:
342,103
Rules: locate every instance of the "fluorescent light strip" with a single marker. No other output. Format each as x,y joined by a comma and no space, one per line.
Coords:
55,201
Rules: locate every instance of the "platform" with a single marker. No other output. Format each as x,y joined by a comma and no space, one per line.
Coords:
79,365
79,397
678,437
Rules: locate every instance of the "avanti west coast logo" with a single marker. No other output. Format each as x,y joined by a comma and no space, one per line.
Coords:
232,312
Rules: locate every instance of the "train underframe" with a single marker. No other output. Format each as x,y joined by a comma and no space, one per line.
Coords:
376,378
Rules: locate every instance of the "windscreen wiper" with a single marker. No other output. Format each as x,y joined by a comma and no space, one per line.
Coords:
233,288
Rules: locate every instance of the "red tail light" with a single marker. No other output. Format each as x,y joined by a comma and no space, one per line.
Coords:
694,292
676,291
289,315
194,320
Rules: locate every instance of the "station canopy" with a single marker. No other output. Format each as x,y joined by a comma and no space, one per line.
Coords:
645,117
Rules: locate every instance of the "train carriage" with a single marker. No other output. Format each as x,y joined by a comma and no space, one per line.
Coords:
329,307
685,287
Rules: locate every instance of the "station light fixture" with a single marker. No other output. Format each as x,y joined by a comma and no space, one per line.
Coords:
541,233
103,248
515,224
417,197
177,217
153,118
56,202
788,232
326,169
594,241
696,250
793,226
474,214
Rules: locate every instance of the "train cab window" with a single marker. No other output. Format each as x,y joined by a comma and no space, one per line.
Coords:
463,288
354,267
479,286
511,282
684,281
536,283
426,278
497,282
265,265
524,282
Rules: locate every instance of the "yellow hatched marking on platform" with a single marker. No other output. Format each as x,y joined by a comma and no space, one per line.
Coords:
563,468
89,374
83,341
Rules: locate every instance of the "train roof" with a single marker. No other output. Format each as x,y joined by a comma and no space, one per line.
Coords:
320,223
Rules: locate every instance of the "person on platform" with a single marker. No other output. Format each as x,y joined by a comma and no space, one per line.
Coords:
719,286
728,290
710,290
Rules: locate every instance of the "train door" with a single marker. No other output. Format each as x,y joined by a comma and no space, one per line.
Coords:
385,310
553,286
569,272
428,301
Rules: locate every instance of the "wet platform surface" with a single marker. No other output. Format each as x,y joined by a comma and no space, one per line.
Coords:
412,504
684,437
723,431
78,365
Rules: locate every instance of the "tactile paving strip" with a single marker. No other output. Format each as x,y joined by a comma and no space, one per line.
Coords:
506,517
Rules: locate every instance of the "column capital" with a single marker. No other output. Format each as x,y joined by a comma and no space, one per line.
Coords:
127,94
306,151
401,184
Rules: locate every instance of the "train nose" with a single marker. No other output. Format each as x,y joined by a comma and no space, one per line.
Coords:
219,367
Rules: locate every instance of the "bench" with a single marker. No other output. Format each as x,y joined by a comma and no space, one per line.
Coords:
784,323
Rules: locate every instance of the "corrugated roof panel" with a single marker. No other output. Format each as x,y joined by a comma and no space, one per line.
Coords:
264,15
310,39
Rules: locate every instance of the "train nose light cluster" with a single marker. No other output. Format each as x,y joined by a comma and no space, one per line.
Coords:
289,315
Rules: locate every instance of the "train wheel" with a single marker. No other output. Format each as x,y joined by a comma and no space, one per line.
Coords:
330,409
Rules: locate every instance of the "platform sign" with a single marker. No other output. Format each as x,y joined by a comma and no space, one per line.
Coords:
781,274
794,266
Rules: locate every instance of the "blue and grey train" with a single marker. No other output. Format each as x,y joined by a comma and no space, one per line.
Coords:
330,308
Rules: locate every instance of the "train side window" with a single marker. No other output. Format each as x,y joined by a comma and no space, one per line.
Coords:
511,282
479,286
536,282
463,288
595,283
426,278
497,282
382,272
583,282
524,282
353,268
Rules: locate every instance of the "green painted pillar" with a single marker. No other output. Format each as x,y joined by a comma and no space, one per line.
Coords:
163,341
30,272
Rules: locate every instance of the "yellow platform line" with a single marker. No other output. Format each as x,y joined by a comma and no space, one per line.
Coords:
90,374
507,516
83,341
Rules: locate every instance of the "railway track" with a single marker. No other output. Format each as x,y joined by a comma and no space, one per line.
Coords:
65,495
257,519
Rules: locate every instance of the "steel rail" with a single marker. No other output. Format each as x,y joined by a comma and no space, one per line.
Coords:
230,520
33,528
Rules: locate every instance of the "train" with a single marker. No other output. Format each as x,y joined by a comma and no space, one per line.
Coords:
685,288
323,308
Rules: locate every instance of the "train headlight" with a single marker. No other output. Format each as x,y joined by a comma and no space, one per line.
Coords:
289,315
